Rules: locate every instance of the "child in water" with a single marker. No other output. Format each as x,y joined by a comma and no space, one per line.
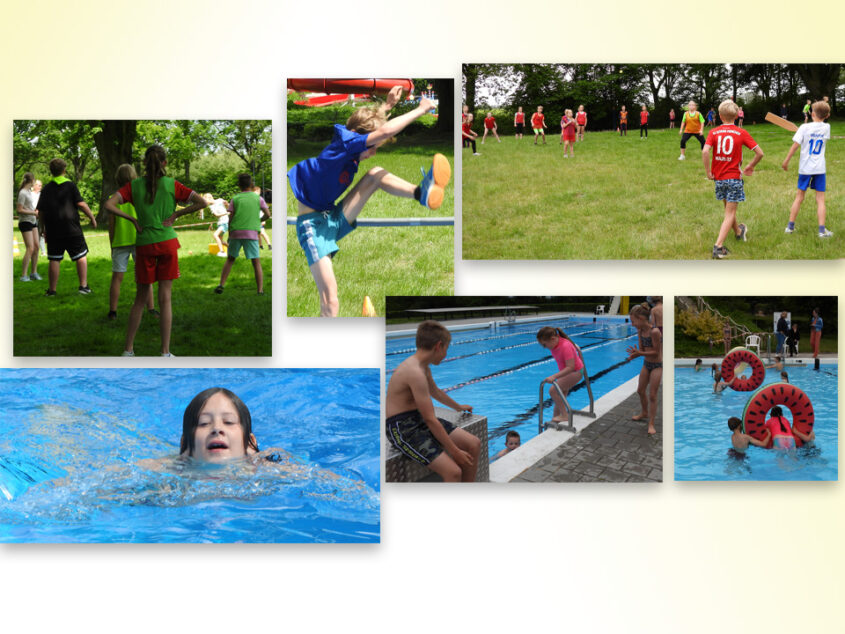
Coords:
740,441
512,441
783,436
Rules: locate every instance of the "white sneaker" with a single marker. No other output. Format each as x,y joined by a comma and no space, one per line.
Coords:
35,276
221,254
24,278
476,153
788,230
167,354
826,234
682,158
128,353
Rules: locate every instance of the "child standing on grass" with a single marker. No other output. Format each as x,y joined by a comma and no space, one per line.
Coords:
644,122
490,126
623,122
519,122
468,135
58,208
218,210
808,107
27,208
246,210
651,350
811,138
569,364
671,118
412,424
692,123
580,123
122,236
323,220
728,141
538,124
154,196
567,133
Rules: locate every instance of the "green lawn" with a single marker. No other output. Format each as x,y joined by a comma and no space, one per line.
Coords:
236,323
621,198
379,261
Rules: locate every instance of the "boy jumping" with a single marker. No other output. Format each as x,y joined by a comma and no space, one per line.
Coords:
728,140
811,138
317,183
246,210
412,426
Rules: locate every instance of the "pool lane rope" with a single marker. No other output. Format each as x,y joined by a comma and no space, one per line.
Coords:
761,402
734,364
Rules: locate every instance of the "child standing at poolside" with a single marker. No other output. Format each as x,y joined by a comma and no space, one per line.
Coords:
812,139
246,210
580,123
538,124
567,133
412,426
154,196
728,141
490,126
519,122
651,350
323,220
569,364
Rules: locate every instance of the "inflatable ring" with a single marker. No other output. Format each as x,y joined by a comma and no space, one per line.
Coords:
736,357
763,400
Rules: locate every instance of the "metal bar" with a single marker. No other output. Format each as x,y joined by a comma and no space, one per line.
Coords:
397,222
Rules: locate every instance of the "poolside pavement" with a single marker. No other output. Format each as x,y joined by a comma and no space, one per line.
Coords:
611,449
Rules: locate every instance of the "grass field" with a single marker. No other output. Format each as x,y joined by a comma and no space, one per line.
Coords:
236,323
379,261
621,198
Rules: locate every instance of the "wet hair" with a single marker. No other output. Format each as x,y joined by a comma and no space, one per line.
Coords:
154,159
777,358
547,332
366,119
28,179
728,109
821,109
245,181
125,174
777,412
734,422
785,376
191,417
430,332
698,362
57,167
512,434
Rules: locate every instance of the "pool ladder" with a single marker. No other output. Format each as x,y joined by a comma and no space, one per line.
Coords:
570,412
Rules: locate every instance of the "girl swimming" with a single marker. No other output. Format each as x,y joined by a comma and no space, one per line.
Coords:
569,365
651,349
783,436
217,426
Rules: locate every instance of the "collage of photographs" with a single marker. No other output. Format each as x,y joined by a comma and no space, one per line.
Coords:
140,242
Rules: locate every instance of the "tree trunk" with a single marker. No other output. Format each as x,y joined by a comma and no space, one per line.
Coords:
470,76
445,91
820,79
114,145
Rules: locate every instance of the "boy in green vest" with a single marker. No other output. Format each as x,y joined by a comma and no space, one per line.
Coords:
246,211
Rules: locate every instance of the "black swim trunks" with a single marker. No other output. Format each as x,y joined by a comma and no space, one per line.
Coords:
410,435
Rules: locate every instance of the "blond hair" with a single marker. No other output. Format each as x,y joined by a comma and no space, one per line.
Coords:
728,110
366,119
125,173
640,311
821,109
430,332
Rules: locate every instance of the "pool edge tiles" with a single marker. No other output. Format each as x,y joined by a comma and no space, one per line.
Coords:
513,464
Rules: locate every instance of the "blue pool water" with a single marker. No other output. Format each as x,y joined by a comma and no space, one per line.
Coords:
72,439
499,372
702,437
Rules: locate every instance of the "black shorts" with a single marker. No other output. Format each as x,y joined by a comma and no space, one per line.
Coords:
25,226
410,435
75,246
519,127
686,136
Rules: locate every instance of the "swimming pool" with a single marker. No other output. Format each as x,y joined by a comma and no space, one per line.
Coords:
72,439
499,371
702,437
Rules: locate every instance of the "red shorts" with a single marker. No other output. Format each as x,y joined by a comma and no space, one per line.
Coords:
156,262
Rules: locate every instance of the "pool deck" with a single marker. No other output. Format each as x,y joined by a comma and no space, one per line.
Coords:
612,448
412,325
802,359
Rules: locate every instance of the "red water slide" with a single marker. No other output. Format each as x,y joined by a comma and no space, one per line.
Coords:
349,86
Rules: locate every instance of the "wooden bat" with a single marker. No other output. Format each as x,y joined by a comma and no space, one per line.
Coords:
783,123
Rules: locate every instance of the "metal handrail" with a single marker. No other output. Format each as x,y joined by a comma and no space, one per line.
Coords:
570,412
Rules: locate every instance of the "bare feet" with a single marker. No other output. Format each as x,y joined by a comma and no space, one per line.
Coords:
651,429
559,419
638,417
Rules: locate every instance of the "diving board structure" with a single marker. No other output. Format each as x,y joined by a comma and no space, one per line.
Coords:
398,222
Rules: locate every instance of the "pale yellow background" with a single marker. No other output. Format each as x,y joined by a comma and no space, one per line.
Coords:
587,558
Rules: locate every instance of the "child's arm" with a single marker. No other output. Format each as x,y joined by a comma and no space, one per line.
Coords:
395,126
199,203
569,368
111,206
444,398
804,437
758,155
760,443
85,208
792,150
392,99
705,156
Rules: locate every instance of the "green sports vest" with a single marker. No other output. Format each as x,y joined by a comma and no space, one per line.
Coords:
124,231
151,215
247,212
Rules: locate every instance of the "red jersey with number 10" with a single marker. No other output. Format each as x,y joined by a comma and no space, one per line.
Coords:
727,142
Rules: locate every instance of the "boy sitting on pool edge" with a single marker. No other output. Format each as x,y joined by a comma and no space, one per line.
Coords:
412,426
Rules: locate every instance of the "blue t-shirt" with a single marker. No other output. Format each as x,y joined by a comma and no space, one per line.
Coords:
319,182
819,323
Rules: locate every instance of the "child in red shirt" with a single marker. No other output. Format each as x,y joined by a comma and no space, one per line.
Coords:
728,141
567,133
623,122
644,122
519,122
538,124
580,123
490,126
468,135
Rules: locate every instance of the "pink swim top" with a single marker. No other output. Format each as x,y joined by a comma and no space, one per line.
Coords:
565,350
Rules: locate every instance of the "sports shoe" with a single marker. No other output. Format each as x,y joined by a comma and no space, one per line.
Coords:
682,158
221,254
49,293
720,252
128,353
476,153
24,278
112,315
827,233
743,233
431,187
84,290
788,230
35,276
167,354
218,290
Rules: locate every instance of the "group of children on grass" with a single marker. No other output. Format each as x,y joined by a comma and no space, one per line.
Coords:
141,217
415,430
